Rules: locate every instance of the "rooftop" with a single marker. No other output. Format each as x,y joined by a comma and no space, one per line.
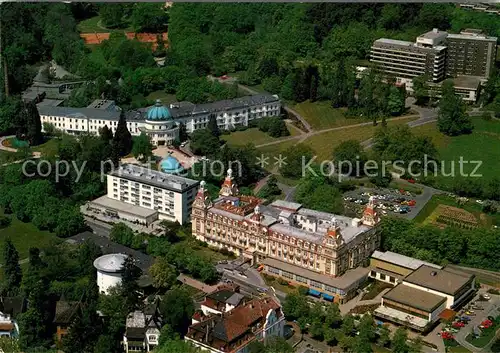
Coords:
345,282
117,205
80,113
65,311
154,178
401,260
434,34
467,82
440,280
414,297
110,262
472,34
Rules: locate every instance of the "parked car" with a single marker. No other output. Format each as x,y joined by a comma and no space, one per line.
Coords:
458,324
486,296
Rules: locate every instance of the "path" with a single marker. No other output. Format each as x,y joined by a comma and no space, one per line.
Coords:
351,304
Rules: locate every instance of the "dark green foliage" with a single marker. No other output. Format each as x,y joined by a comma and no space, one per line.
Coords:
129,287
112,15
4,221
450,245
149,18
204,143
106,134
350,157
319,193
452,117
183,136
270,190
212,126
28,125
296,157
122,141
177,309
274,126
11,268
142,148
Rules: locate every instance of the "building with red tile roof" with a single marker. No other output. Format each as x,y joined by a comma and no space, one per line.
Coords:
233,331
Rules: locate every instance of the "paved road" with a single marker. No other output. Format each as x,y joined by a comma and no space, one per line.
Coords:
490,308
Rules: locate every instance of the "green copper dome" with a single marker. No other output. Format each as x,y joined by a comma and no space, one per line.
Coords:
158,112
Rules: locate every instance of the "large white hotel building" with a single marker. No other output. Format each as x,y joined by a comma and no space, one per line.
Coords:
142,196
159,122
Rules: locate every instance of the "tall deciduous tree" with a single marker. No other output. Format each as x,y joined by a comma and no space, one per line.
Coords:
162,273
142,148
12,269
452,117
420,89
183,135
129,286
177,309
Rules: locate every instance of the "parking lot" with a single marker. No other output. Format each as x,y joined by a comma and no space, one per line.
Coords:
388,201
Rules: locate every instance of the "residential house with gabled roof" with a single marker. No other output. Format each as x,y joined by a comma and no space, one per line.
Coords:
65,313
142,331
233,331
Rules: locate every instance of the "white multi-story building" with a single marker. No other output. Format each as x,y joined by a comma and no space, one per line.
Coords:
159,122
142,196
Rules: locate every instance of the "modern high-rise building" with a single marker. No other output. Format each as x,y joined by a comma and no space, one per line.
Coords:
470,53
437,54
407,60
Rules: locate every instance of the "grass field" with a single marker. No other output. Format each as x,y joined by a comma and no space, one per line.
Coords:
166,98
324,143
321,115
48,148
275,150
92,25
255,136
24,236
481,145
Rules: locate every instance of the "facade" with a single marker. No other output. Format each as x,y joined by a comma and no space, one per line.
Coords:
109,271
142,196
407,60
10,309
391,267
424,294
142,330
159,122
232,332
286,237
470,53
468,57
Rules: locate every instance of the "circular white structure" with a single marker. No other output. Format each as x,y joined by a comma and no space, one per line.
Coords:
109,271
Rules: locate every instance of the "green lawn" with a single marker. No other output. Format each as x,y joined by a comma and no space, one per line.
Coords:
274,151
252,135
166,98
481,145
92,25
24,236
48,148
321,115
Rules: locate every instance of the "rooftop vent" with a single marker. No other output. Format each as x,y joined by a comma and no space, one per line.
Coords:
434,273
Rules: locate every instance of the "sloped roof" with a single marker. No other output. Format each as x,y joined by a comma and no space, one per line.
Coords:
66,311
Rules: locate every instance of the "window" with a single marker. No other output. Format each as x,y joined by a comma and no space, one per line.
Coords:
382,277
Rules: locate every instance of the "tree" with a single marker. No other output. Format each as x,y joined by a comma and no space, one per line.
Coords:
183,135
177,346
420,89
399,341
204,143
177,309
142,148
84,331
395,101
12,270
29,124
295,157
122,141
384,338
452,117
112,15
129,286
87,253
7,344
162,273
106,134
212,125
319,193
295,307
149,18
333,317
351,157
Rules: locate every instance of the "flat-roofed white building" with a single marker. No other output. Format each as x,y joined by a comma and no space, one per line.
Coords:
140,195
392,267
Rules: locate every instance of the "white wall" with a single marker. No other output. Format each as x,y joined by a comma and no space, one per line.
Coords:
105,281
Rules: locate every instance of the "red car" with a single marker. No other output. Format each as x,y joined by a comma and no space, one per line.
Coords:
446,335
412,181
457,324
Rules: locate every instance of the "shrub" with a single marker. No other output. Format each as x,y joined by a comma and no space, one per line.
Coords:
493,291
4,221
303,290
282,282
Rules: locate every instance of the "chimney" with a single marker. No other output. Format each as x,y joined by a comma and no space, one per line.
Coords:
435,30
